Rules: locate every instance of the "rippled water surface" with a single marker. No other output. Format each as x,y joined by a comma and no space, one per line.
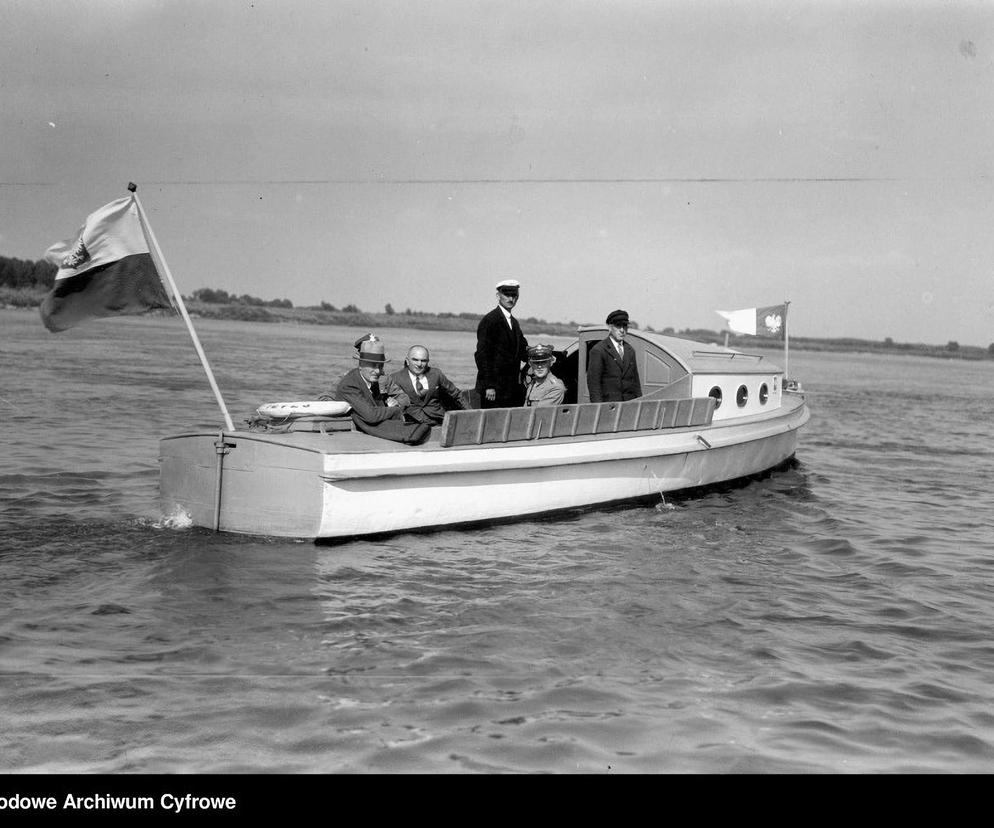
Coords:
835,616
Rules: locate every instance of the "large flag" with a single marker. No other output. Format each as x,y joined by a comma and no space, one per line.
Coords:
104,271
770,321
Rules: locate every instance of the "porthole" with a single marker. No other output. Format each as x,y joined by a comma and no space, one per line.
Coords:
764,394
716,393
742,396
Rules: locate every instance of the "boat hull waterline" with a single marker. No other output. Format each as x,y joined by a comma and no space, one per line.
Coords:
302,485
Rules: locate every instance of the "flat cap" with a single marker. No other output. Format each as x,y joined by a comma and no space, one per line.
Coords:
508,285
617,317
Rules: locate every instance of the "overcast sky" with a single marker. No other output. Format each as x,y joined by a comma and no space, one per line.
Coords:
669,158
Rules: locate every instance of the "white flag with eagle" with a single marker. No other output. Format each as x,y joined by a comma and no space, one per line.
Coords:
769,321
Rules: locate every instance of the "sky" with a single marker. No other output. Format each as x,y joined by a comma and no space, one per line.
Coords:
671,158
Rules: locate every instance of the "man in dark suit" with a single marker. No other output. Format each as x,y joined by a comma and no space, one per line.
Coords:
612,372
372,410
431,393
501,349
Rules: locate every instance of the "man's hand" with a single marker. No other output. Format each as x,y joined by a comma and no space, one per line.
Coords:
490,394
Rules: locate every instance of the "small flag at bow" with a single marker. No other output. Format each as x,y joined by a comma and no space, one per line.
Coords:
105,270
770,321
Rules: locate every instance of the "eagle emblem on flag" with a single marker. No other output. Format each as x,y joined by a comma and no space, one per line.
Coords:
773,322
77,256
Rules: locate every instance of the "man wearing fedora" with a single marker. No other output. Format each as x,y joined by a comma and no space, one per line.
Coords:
430,392
612,372
375,411
501,349
542,387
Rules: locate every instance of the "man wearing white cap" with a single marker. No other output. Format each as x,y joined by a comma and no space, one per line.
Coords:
501,349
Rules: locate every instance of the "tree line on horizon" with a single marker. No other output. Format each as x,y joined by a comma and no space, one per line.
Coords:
31,279
23,283
222,297
23,274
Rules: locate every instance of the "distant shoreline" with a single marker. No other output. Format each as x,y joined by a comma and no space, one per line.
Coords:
468,323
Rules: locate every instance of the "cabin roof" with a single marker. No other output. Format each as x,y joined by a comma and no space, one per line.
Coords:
695,357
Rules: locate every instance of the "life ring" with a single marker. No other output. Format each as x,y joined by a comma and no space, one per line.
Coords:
304,408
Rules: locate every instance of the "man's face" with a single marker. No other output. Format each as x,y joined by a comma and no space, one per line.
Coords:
540,369
371,373
417,361
507,300
618,332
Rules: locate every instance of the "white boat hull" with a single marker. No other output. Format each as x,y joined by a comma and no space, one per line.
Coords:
303,486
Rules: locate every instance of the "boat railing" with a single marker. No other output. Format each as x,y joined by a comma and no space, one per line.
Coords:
728,355
504,425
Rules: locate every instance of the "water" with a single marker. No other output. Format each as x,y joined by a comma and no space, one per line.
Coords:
833,617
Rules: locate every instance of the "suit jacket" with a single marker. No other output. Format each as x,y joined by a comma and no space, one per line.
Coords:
388,388
370,408
442,395
549,392
609,377
500,350
371,414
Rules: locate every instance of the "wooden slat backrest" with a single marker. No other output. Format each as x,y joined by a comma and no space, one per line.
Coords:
504,425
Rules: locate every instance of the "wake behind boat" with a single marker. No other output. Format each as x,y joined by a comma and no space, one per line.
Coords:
708,414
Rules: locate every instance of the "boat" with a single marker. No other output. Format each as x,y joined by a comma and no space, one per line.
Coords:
708,414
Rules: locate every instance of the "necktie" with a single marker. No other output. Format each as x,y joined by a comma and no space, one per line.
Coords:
422,387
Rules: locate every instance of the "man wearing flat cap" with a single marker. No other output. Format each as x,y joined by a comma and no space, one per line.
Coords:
542,387
374,410
501,349
612,372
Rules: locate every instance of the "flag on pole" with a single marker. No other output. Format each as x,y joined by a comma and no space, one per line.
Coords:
770,321
105,270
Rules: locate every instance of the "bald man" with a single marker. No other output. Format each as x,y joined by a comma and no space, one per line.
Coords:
431,393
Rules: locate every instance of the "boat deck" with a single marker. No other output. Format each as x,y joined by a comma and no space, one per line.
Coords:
337,435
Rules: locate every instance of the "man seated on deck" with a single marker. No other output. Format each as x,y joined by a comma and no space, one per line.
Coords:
430,392
374,410
542,387
612,372
392,393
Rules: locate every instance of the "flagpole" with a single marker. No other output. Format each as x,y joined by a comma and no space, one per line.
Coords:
786,340
150,236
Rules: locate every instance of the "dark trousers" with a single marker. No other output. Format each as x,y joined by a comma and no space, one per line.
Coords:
512,400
